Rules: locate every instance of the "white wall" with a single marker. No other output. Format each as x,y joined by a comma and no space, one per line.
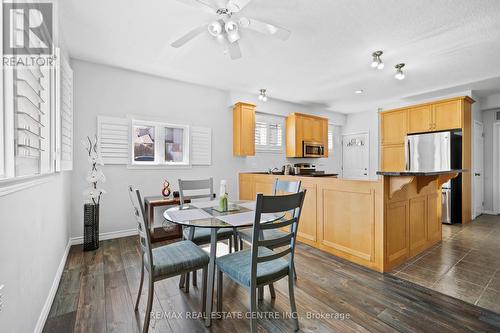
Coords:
104,90
366,122
33,238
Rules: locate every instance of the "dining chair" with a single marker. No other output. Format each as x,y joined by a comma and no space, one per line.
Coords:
279,187
260,266
165,261
201,189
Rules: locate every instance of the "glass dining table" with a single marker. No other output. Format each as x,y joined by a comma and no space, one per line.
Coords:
206,214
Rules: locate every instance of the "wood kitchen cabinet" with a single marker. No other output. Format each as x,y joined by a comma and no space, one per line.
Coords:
449,114
303,127
435,117
420,119
393,157
243,129
393,126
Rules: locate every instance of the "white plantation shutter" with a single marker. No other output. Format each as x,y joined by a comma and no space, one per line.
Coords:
330,139
275,135
268,133
66,114
260,133
201,146
113,134
32,120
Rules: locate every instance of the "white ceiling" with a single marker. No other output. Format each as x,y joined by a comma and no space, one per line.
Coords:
444,43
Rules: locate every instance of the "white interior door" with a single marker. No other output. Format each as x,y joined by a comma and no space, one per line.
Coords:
478,166
356,156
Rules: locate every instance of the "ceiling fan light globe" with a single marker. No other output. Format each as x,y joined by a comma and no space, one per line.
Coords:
264,98
261,97
215,28
380,65
231,27
399,75
374,63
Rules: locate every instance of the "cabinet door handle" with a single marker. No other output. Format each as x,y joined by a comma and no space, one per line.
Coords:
477,174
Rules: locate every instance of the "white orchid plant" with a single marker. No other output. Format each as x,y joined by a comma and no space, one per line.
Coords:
93,193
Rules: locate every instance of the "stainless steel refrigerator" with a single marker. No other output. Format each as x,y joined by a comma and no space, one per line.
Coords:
439,151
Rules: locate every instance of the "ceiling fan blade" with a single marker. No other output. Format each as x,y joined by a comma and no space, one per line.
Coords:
200,5
190,35
265,28
234,50
237,5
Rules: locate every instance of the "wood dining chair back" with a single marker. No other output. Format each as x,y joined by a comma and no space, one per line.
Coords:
165,261
190,189
193,190
261,266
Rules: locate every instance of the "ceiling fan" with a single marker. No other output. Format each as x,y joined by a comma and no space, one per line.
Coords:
225,28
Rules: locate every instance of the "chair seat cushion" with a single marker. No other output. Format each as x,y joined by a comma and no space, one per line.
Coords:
202,235
176,258
237,265
247,233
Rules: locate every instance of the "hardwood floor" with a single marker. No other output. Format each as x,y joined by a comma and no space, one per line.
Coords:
98,289
465,265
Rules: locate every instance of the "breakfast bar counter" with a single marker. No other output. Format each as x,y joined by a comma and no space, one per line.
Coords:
379,224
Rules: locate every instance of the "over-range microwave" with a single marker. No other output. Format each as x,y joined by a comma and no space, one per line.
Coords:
313,149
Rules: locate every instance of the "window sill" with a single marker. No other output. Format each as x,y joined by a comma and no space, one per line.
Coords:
11,185
158,166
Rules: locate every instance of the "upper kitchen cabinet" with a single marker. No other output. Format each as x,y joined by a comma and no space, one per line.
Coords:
420,119
447,115
393,126
302,128
243,129
441,116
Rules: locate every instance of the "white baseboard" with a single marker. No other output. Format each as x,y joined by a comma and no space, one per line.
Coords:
52,293
106,235
55,284
489,212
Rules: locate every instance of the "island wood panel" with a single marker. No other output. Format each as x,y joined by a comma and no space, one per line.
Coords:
350,221
412,220
397,233
418,224
307,232
434,227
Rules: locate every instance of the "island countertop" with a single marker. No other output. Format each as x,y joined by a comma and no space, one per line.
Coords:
406,173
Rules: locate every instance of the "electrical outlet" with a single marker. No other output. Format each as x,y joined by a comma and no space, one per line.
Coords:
1,297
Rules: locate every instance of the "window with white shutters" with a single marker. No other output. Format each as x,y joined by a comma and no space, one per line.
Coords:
269,133
66,107
330,139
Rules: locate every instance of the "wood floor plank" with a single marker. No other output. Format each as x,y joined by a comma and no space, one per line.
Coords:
105,283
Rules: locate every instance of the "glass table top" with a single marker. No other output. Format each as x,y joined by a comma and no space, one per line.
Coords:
209,217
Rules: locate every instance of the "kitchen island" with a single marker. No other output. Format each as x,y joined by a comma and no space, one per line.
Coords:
379,224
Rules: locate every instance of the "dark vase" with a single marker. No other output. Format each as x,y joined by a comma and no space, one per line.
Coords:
90,227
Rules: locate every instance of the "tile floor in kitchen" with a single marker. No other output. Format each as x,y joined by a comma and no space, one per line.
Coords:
465,265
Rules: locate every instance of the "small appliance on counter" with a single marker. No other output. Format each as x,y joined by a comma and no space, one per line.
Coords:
303,168
439,151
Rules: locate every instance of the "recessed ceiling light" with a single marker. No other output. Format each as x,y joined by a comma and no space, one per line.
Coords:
359,91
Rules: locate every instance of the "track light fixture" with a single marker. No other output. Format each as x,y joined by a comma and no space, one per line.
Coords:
399,71
377,60
263,95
